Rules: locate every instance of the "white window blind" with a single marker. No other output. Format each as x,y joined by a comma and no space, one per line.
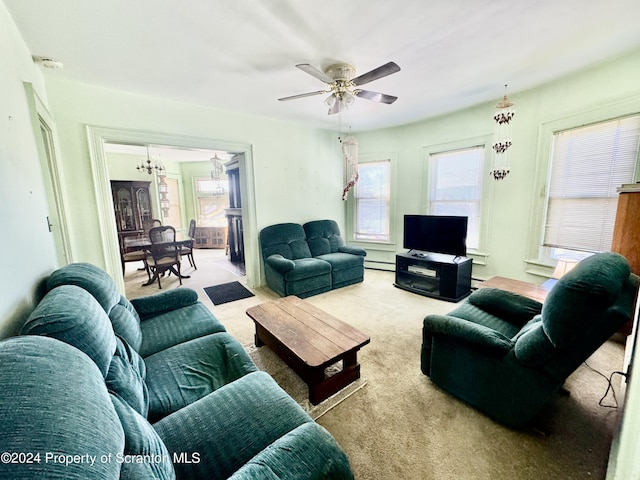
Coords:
456,187
588,165
372,196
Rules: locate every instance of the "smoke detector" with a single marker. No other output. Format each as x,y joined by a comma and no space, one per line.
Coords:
48,62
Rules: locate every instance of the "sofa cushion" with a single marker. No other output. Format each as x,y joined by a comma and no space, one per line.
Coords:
69,313
53,400
230,426
286,239
126,377
146,456
180,375
342,261
89,277
307,268
583,295
171,328
126,323
323,236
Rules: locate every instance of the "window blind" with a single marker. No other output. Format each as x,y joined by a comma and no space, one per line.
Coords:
588,165
372,195
456,187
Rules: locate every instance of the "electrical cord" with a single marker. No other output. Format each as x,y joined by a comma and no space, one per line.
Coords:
609,387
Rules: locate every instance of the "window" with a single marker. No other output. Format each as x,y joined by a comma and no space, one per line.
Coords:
456,187
372,197
588,164
212,199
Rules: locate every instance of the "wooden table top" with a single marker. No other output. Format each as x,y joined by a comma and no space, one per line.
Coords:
313,335
526,289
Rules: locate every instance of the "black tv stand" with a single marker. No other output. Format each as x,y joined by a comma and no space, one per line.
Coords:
437,275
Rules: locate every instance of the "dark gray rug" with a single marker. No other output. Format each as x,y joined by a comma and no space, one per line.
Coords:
227,292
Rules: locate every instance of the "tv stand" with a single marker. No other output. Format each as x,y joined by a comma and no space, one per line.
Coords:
437,275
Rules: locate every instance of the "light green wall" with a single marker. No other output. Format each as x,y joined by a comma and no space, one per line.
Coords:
294,166
515,203
29,254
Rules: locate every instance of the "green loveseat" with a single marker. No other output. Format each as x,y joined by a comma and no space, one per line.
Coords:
96,386
309,259
507,355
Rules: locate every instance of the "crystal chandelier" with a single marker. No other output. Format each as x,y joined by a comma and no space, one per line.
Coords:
148,166
502,116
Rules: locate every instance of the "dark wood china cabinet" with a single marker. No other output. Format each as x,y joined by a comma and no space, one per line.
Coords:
132,206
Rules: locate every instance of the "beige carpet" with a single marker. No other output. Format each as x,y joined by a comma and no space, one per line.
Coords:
400,426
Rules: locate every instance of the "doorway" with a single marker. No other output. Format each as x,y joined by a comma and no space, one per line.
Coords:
99,136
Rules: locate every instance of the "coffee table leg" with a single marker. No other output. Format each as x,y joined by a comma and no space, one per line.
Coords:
257,339
321,388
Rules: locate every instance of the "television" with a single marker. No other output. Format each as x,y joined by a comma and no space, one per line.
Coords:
436,234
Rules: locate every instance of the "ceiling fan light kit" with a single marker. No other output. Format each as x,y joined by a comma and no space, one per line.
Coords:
342,85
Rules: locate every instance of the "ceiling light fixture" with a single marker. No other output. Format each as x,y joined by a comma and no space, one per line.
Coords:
148,166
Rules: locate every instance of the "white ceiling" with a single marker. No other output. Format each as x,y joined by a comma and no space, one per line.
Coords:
240,55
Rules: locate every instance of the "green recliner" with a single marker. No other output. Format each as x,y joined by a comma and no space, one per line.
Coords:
507,355
310,259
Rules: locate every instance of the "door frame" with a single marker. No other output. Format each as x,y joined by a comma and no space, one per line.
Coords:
49,155
98,136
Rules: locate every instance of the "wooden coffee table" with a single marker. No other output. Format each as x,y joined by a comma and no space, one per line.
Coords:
529,290
309,340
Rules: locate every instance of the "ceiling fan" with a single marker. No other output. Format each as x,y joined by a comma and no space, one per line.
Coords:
343,85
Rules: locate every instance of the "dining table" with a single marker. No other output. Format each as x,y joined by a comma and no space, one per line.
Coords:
131,244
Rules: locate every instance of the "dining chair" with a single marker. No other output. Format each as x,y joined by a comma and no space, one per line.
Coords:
163,254
187,247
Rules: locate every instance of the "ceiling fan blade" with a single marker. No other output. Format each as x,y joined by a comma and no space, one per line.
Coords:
375,96
313,71
376,73
302,95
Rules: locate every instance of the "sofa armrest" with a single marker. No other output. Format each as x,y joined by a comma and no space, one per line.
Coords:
508,306
353,250
280,264
162,302
230,426
472,334
309,451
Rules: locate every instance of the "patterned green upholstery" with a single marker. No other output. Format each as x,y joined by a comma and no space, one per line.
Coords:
507,355
73,386
53,400
310,259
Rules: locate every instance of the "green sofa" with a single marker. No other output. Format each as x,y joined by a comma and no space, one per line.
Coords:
309,259
97,387
507,355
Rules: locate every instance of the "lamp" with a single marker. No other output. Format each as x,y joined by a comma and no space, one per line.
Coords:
502,116
564,266
148,166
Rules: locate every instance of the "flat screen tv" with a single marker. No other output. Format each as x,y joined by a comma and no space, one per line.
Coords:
436,233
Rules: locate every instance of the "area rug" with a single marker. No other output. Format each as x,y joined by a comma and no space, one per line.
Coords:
269,362
227,292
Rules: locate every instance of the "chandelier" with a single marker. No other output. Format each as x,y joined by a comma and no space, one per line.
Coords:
149,166
216,174
502,116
